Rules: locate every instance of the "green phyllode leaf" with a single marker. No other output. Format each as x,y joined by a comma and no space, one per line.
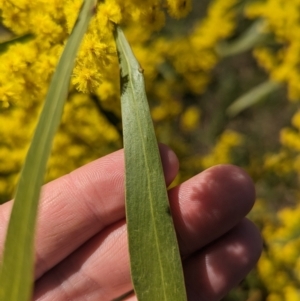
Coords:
156,268
252,37
17,269
252,97
22,39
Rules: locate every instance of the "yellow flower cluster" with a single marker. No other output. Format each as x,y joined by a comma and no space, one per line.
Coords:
190,119
221,153
179,9
194,56
51,23
279,267
287,160
282,19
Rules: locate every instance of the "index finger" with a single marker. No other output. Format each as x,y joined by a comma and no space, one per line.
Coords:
75,207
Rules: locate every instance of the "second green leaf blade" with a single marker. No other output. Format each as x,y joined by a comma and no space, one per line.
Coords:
156,268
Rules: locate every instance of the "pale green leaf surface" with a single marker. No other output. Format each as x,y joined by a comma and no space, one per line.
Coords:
252,37
252,97
156,268
17,269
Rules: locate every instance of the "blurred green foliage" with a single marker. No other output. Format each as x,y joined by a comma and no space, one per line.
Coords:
195,69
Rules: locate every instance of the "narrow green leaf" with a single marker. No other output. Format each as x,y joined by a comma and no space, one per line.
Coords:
16,273
253,36
252,97
22,39
156,268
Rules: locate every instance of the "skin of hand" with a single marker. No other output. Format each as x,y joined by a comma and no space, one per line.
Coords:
81,242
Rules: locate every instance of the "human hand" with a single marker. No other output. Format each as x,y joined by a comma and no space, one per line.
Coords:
81,243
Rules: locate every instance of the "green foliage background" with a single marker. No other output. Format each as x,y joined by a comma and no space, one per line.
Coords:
195,68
